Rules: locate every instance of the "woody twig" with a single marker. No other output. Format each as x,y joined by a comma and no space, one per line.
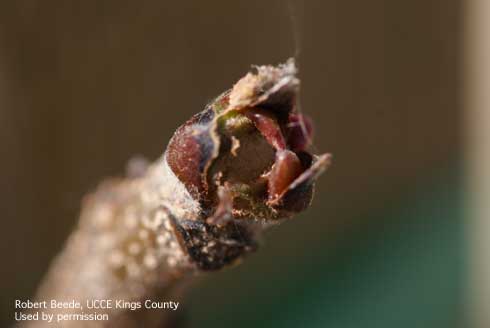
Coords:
231,171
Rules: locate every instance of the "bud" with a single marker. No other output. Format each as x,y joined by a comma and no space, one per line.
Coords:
244,160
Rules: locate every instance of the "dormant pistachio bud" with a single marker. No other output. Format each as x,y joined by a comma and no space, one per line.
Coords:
244,160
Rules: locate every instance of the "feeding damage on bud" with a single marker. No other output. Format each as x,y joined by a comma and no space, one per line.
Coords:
244,159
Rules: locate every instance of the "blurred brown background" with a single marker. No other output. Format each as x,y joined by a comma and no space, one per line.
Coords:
86,85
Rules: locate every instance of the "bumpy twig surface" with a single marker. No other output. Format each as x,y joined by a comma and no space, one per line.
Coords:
231,171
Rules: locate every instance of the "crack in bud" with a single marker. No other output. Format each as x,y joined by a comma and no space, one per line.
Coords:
244,160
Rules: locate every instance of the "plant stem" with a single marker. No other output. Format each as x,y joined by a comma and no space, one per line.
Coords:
197,208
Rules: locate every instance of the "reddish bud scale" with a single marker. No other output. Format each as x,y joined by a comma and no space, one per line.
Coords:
287,168
267,124
190,151
299,132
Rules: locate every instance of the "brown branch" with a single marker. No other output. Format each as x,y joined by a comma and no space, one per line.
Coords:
228,173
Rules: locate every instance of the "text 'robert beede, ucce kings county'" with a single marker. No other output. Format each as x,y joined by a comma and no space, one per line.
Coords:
98,304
